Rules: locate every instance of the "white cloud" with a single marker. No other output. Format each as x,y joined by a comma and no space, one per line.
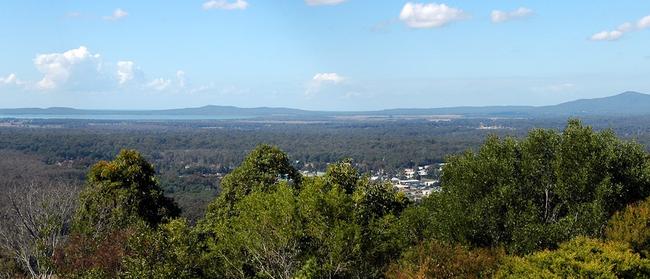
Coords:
322,79
225,5
607,35
498,16
81,70
159,84
625,27
323,2
68,67
127,71
417,15
328,77
644,22
11,79
117,15
613,35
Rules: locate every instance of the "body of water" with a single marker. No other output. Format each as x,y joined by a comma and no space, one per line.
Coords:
123,117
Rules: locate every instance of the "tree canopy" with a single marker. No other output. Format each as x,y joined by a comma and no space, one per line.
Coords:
555,204
537,192
120,193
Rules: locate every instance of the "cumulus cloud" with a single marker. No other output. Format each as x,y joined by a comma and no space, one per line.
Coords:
11,79
225,5
117,15
72,66
81,70
498,16
418,15
613,35
323,2
323,79
127,71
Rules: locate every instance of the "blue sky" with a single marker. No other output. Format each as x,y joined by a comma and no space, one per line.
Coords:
319,54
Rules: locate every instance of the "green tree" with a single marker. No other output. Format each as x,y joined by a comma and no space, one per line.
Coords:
537,192
332,237
350,223
121,198
266,173
260,171
170,251
339,225
120,193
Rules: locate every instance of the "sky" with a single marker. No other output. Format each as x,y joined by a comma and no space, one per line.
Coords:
319,54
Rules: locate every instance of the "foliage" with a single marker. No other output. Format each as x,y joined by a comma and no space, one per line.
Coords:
121,198
269,222
433,259
632,226
264,238
338,225
119,194
171,251
260,171
579,258
537,192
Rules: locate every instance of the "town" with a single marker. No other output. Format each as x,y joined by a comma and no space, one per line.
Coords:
416,183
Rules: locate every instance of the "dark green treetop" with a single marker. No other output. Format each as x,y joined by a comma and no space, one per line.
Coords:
120,193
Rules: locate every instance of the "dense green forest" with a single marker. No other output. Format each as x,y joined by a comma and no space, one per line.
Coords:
191,157
549,204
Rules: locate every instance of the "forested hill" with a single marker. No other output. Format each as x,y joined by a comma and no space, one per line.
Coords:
624,104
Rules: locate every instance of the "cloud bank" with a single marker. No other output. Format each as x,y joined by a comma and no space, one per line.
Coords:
80,69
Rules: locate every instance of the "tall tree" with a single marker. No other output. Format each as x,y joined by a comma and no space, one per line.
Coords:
260,171
120,193
121,198
545,189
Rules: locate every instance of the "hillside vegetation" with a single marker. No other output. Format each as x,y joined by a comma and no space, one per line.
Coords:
566,204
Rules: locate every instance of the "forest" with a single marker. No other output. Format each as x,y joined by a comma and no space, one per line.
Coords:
191,157
567,203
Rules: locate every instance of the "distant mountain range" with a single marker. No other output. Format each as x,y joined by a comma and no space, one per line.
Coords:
624,104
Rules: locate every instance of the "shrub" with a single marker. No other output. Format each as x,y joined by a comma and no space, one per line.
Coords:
632,226
433,259
579,258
